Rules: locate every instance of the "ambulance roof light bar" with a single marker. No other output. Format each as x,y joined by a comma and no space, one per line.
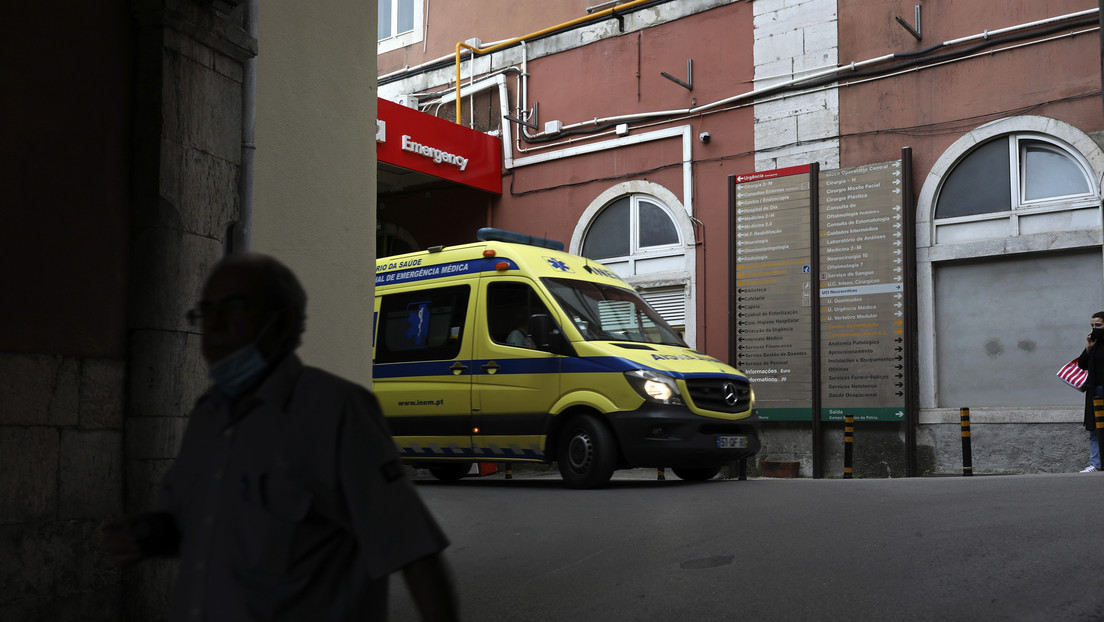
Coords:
490,234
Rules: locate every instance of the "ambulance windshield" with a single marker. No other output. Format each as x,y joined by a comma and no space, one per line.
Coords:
606,313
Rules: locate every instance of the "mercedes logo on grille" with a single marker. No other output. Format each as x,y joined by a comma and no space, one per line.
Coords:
730,396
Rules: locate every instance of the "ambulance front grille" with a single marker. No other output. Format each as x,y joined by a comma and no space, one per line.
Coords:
714,394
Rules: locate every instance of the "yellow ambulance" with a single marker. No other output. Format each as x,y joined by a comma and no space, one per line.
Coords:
511,350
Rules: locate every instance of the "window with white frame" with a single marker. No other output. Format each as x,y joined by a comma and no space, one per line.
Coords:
632,234
636,236
399,24
1008,263
1010,186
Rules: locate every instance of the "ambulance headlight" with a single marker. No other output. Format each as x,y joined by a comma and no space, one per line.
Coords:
654,386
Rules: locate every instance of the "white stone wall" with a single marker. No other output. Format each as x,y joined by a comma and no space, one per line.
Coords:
999,445
794,38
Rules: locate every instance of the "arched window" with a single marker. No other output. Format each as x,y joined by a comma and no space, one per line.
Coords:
633,229
1009,263
639,230
1006,186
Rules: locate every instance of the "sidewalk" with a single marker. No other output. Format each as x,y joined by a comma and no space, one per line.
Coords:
551,471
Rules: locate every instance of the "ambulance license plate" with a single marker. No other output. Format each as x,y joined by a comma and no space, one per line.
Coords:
731,442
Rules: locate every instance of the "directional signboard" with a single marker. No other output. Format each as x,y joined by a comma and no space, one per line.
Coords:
862,276
857,364
774,290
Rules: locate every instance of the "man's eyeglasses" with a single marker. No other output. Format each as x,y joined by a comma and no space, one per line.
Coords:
231,309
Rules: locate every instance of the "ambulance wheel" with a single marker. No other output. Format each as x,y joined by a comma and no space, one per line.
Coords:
587,454
450,471
697,474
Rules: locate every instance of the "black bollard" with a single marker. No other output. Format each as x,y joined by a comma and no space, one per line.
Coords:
967,457
848,444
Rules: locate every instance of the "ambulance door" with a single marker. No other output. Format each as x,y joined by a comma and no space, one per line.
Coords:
514,384
422,369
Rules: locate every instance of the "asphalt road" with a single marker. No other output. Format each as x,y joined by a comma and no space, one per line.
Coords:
1025,547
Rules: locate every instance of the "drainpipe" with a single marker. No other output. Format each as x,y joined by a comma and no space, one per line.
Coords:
243,232
612,11
496,81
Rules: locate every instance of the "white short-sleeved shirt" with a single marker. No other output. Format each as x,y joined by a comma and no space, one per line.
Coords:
292,504
517,337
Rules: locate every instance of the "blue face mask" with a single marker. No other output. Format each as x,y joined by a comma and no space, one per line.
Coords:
237,371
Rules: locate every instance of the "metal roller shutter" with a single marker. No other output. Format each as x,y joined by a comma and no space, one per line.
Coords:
669,302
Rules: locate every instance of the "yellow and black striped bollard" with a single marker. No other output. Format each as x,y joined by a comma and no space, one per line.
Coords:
967,455
848,444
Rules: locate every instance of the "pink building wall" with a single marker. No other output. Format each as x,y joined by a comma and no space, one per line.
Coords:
618,75
934,107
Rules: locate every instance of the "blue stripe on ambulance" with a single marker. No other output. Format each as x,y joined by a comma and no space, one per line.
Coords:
529,365
418,369
415,274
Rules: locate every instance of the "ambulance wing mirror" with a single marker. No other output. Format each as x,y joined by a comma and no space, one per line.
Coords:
547,336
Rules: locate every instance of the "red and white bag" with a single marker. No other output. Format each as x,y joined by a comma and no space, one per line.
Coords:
1073,375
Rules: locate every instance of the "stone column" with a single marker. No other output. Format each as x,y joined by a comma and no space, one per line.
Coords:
187,153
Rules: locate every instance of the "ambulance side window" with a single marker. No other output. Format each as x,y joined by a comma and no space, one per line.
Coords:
509,306
424,325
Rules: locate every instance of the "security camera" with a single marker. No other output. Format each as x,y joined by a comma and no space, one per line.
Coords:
704,137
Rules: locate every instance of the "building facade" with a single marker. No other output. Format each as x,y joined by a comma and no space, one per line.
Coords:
629,128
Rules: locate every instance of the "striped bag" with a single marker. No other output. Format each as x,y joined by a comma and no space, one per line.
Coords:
1073,375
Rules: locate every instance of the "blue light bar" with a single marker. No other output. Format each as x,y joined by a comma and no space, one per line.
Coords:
490,234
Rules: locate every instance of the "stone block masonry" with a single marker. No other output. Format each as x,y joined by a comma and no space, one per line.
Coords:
793,37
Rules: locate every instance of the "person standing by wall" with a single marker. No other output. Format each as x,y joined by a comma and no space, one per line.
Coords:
1092,360
287,500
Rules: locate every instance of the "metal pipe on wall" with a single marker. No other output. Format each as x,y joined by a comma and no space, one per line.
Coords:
479,50
242,238
746,98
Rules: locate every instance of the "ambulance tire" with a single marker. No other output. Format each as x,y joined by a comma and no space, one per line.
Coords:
587,453
697,474
450,471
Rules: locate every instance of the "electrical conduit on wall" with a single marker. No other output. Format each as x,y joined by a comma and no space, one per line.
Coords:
826,73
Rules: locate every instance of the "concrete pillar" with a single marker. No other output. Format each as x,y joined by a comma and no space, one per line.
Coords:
315,184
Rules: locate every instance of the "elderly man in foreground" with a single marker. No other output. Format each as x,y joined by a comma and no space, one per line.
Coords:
288,500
